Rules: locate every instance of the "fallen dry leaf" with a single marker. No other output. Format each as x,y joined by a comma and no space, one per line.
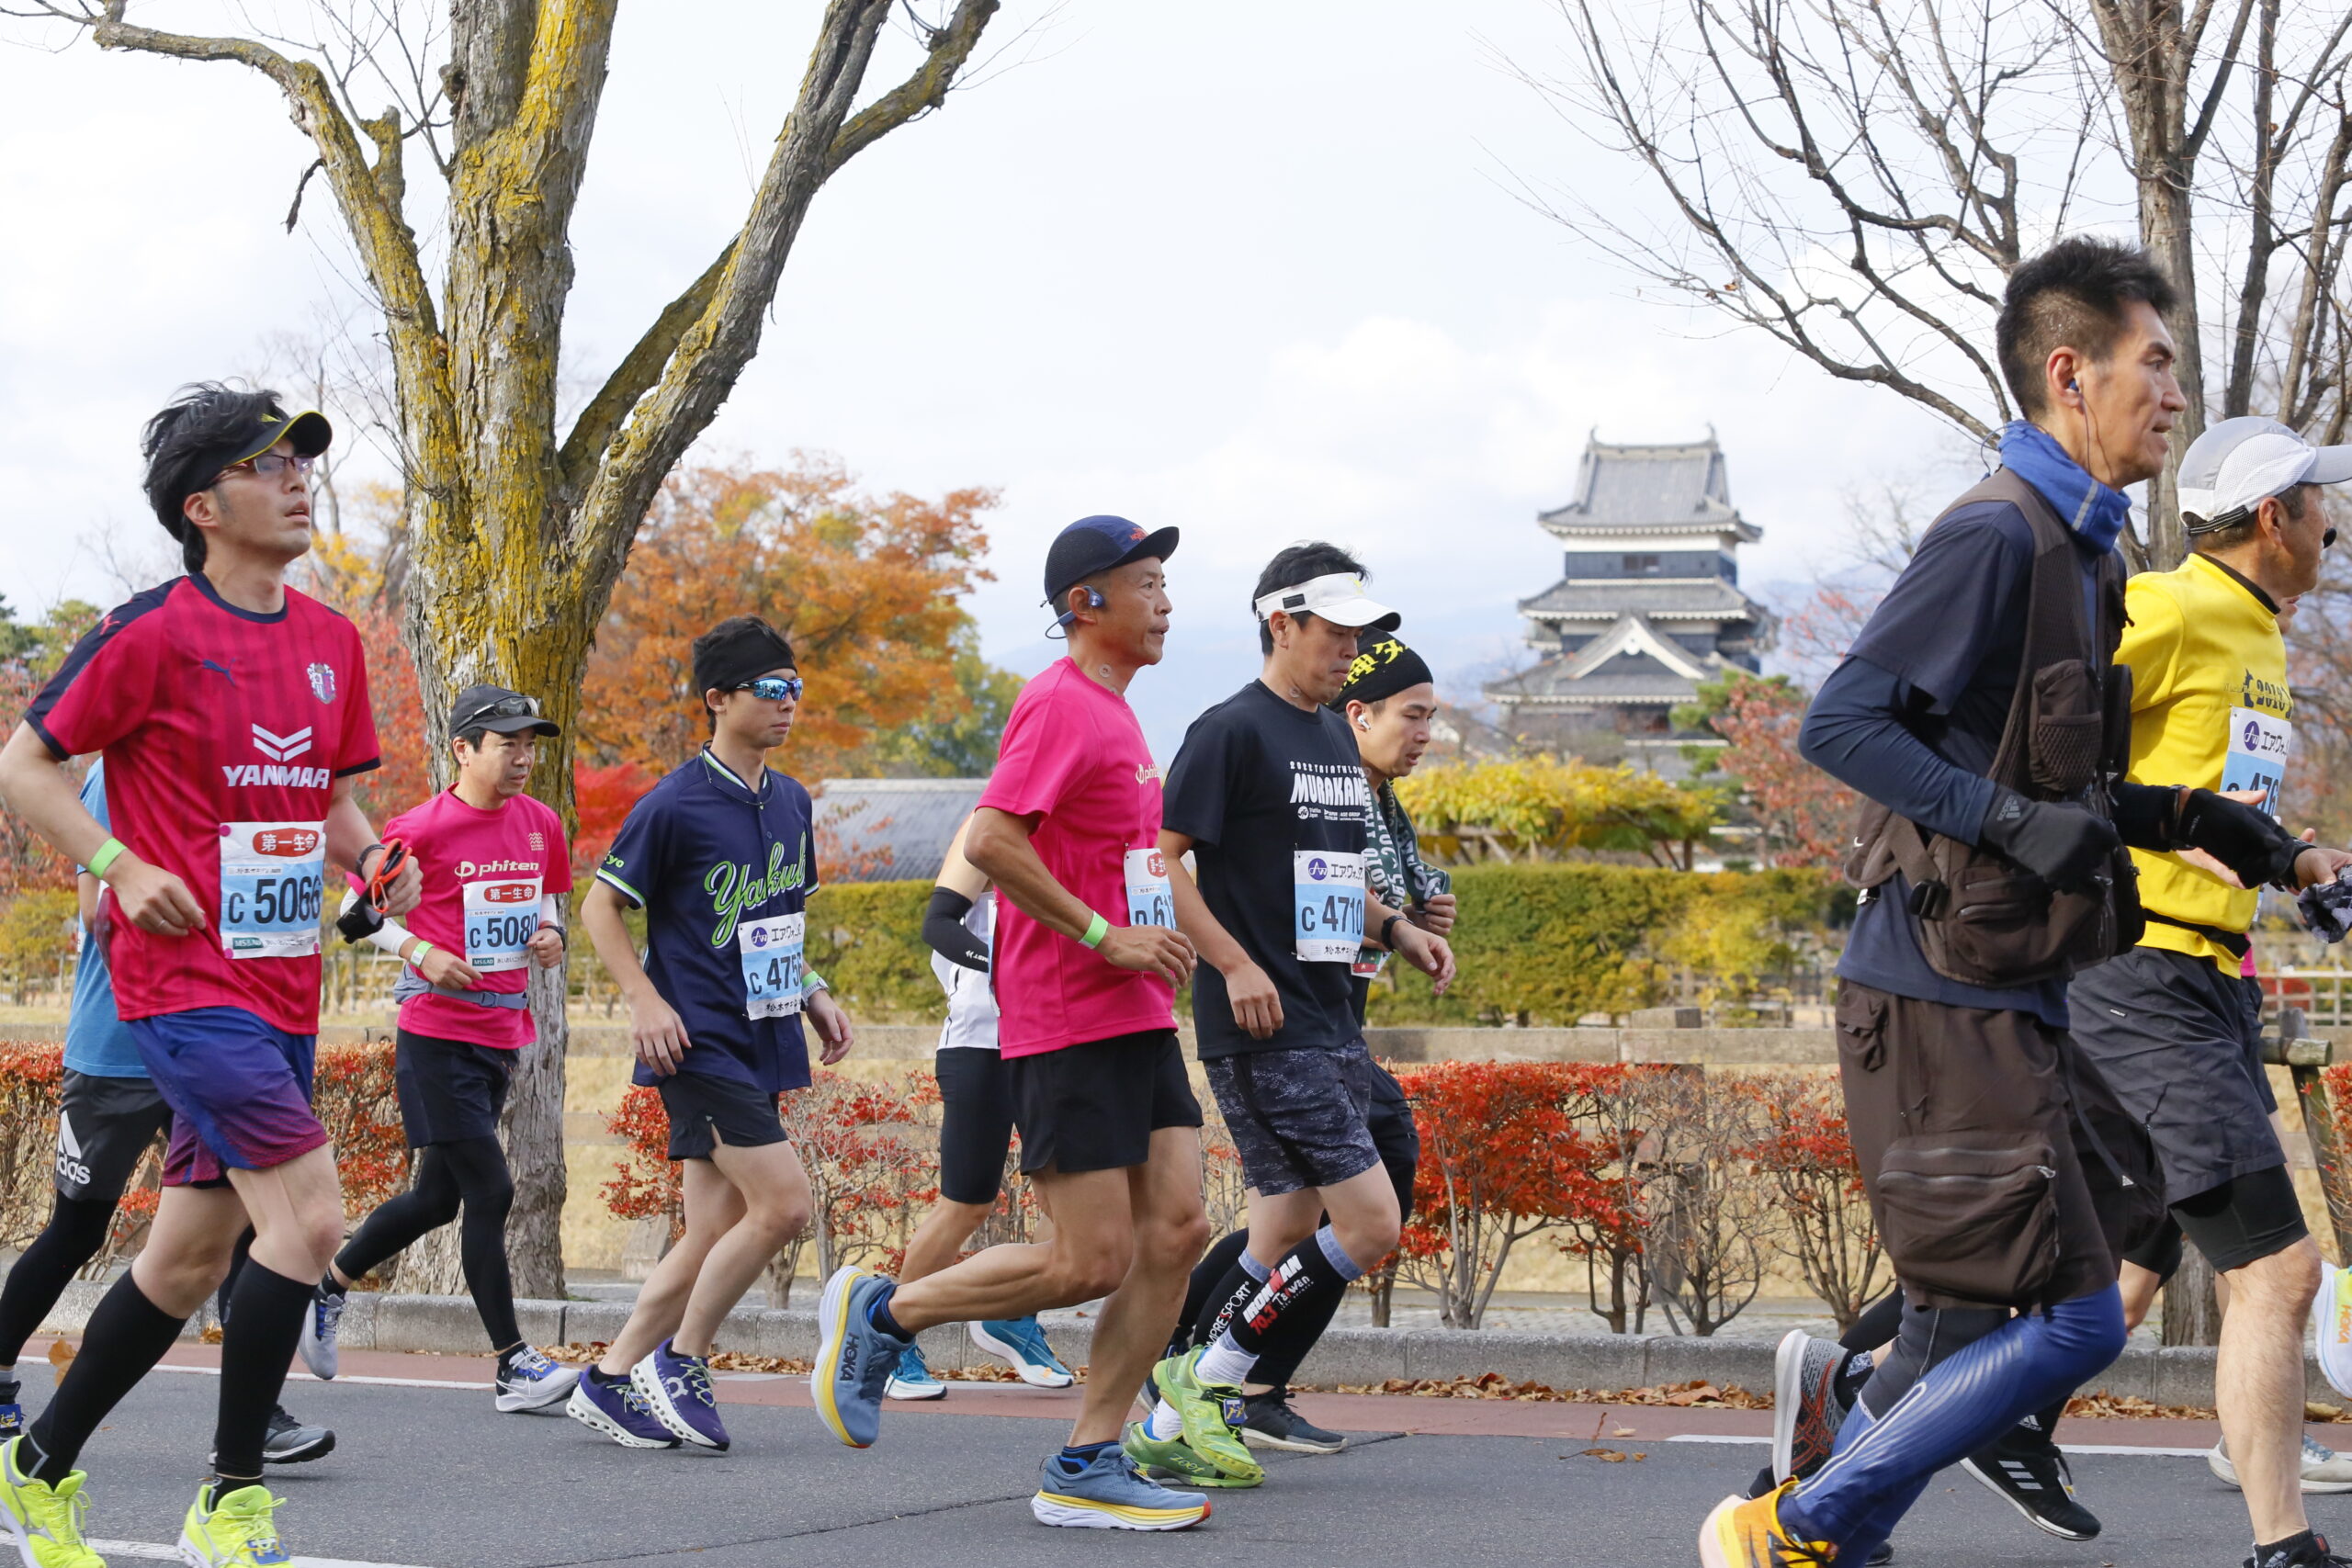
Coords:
1622,1432
60,1354
1606,1456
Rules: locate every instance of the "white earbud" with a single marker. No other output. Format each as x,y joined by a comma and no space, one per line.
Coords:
1363,724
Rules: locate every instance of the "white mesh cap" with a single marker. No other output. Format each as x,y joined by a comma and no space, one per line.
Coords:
2242,462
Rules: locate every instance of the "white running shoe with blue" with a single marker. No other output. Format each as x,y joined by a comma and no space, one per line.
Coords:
1111,1494
855,1358
912,1378
533,1380
320,1327
677,1389
1019,1343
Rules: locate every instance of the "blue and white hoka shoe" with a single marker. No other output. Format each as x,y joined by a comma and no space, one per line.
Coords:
534,1381
855,1358
1111,1494
620,1412
913,1377
1021,1343
320,1327
677,1388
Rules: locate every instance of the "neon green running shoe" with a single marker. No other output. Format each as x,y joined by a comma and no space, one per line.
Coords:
43,1522
1211,1414
240,1531
1169,1459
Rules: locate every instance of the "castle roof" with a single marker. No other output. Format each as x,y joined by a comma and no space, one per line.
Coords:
1629,489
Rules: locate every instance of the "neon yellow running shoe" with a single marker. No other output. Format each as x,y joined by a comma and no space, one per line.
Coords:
1211,1413
1163,1458
239,1531
43,1522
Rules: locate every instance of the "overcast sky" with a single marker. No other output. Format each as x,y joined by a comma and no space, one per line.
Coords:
1257,268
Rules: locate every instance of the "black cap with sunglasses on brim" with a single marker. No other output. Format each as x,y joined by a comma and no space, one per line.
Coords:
499,711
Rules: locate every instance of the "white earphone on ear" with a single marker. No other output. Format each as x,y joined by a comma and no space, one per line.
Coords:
1363,723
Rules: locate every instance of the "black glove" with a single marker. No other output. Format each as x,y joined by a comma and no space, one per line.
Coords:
2063,845
2242,837
948,936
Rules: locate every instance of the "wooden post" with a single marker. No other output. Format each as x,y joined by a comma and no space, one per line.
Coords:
2305,1058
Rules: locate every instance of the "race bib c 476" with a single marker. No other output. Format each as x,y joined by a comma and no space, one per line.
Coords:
771,954
2258,755
501,916
1150,900
273,877
1326,905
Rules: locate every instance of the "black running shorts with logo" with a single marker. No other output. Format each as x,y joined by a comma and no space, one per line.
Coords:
1094,1106
104,1124
975,1122
707,1110
450,1089
1298,1118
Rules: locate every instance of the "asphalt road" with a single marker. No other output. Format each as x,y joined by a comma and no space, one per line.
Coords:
435,1477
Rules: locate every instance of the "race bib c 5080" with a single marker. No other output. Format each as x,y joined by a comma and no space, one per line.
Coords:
272,878
1150,900
771,954
2256,758
501,916
1327,906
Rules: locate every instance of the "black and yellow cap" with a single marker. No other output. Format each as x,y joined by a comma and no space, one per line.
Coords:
309,431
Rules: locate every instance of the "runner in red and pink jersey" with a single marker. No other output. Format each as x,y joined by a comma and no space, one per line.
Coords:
233,713
497,868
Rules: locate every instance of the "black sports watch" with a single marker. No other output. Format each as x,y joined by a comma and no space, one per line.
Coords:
1385,927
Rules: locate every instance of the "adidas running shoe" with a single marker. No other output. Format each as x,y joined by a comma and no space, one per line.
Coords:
1111,1494
2024,1470
44,1522
677,1390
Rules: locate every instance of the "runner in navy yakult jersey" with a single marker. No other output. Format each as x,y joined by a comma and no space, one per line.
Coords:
233,714
719,856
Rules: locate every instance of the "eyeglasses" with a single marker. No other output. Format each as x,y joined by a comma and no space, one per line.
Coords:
776,688
271,466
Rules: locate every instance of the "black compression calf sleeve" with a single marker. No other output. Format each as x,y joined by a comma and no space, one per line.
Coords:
1234,1288
257,1344
127,1335
1293,1336
1306,1271
76,1229
1213,1282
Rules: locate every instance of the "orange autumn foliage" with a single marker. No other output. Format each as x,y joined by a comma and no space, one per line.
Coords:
868,589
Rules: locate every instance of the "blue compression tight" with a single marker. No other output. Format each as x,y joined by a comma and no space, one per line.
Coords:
1956,1406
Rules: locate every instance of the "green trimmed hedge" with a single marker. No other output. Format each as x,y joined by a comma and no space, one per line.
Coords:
1545,943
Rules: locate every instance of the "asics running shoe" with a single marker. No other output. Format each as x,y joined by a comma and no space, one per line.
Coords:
677,1390
320,1327
44,1522
533,1380
1110,1493
1172,1459
911,1378
854,1357
1021,1343
1269,1422
619,1410
2024,1470
1807,1411
237,1531
1211,1413
1747,1532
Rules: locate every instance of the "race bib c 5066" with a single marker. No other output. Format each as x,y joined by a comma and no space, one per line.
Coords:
1150,900
770,951
1327,906
272,878
501,916
2256,758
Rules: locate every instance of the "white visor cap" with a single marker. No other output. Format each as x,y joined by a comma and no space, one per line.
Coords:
2240,463
1337,597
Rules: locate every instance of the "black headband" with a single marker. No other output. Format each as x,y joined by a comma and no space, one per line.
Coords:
740,650
1384,668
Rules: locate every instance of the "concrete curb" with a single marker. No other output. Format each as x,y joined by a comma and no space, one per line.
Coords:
1602,1362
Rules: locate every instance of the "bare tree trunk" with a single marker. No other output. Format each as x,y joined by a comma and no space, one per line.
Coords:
2192,1314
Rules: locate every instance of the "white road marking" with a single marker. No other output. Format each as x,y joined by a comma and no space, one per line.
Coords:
148,1549
394,1382
2124,1449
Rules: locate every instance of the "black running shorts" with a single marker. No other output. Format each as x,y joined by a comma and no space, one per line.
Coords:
103,1126
975,1122
707,1110
2243,1220
1094,1106
450,1089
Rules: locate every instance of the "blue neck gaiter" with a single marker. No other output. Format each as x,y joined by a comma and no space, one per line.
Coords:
2094,511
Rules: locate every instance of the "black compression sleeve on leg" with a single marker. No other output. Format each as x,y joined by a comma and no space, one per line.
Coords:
404,1218
1306,1272
126,1336
1216,1280
478,1167
76,1229
1293,1336
257,1344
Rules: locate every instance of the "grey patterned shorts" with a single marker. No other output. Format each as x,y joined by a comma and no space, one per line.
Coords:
1298,1117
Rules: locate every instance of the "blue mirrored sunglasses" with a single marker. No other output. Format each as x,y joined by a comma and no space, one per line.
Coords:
776,688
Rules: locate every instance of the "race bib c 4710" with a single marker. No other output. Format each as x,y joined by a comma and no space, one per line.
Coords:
1150,900
501,916
272,878
2258,755
1326,905
771,954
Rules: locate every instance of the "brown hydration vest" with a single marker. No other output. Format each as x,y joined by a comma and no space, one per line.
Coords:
1983,918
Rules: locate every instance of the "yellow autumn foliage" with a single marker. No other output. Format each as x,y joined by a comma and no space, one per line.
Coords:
1544,807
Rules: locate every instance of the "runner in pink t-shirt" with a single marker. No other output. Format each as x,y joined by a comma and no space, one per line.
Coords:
1087,962
497,866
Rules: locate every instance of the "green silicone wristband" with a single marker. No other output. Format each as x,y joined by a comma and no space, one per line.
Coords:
109,853
1095,932
423,947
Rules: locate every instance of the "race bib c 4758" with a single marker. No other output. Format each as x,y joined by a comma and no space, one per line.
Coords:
272,878
501,916
771,954
2256,758
1326,905
1150,900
